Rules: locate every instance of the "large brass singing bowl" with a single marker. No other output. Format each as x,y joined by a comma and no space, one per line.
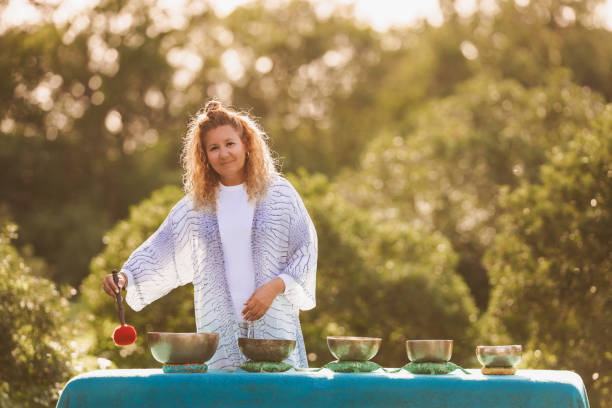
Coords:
353,348
181,348
268,350
499,356
429,351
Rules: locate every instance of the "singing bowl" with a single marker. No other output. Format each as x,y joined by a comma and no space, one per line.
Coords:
353,348
429,351
268,350
179,348
499,356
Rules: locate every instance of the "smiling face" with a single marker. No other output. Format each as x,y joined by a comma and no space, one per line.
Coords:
226,153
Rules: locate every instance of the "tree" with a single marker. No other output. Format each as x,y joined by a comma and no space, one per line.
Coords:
551,262
446,168
35,358
527,43
76,135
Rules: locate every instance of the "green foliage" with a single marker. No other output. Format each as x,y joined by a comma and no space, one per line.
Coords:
35,358
551,262
526,43
446,170
59,163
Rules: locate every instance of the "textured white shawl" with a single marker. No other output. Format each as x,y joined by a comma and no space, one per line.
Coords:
187,248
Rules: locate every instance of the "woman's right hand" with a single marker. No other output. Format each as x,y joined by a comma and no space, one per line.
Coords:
109,284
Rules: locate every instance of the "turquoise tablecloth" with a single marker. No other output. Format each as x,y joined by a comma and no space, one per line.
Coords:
151,388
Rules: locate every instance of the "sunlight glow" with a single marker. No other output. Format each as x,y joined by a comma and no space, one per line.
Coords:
19,12
171,14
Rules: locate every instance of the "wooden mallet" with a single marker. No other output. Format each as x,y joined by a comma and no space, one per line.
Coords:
125,334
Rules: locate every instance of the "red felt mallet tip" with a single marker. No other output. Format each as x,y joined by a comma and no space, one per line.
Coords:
124,335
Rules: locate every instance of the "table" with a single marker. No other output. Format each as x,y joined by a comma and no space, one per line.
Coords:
152,388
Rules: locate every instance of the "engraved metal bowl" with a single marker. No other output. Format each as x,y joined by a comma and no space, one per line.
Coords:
269,350
430,351
353,348
181,348
499,356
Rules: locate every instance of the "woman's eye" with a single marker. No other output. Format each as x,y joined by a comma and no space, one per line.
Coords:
230,143
213,148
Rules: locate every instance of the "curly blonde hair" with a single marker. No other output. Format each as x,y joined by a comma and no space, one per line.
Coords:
200,180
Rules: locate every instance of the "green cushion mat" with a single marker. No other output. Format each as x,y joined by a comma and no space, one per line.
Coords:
432,368
184,368
352,366
264,367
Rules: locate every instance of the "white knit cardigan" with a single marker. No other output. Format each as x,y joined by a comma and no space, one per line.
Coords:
187,248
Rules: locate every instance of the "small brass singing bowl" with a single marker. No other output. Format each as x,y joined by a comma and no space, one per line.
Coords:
499,356
353,348
429,351
268,350
182,348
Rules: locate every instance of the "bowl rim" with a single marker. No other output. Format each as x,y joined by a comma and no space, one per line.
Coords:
500,345
507,347
429,341
354,338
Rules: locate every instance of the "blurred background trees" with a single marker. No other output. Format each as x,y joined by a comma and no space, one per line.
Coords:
457,175
551,259
446,170
35,356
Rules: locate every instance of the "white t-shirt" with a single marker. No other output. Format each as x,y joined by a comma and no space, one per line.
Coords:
235,216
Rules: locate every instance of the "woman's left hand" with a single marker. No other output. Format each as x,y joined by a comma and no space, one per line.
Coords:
259,302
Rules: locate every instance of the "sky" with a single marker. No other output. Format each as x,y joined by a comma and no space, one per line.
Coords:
381,14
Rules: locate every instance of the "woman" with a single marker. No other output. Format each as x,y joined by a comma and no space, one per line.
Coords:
241,235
